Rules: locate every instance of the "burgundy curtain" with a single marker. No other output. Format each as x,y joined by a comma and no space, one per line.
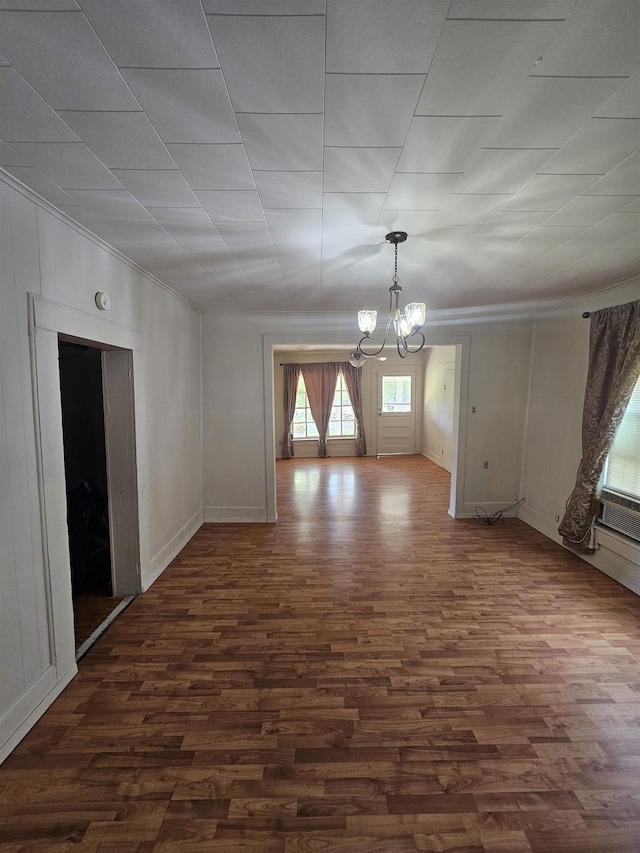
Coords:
353,381
320,382
614,367
291,375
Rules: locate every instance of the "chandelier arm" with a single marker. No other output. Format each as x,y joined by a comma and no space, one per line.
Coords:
417,349
368,338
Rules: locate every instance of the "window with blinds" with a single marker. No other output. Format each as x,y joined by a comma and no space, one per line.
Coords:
623,465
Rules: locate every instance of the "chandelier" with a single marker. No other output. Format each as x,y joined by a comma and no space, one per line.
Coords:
406,325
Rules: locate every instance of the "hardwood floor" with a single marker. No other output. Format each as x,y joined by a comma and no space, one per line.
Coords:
367,676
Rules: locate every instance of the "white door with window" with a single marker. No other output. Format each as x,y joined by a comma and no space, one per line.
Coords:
396,413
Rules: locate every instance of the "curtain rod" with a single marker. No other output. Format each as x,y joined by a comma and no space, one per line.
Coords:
586,315
341,361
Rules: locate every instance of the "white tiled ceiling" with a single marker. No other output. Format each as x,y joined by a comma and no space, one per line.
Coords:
252,154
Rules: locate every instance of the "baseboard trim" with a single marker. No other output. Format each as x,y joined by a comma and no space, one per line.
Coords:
432,457
26,712
606,559
239,514
468,510
171,550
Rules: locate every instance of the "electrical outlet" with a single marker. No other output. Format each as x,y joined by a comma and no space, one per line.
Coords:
486,464
557,517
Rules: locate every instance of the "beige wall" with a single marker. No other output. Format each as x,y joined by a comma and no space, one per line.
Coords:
43,254
239,408
552,449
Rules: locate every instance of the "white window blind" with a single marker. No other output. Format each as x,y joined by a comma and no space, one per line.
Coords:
623,465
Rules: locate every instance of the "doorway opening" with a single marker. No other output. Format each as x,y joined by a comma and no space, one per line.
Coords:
86,487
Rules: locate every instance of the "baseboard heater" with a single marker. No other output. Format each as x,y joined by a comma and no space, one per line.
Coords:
620,513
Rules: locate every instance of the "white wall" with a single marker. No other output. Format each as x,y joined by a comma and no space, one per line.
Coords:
437,421
43,254
495,360
553,435
499,362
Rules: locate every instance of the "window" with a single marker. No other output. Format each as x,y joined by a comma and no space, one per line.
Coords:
342,423
396,393
622,472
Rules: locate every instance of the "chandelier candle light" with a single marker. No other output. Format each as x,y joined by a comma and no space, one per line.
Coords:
407,325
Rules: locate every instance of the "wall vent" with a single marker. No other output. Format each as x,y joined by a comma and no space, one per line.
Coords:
621,514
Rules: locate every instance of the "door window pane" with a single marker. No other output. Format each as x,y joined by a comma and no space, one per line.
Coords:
396,394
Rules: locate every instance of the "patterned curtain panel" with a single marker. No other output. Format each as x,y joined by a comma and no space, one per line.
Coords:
614,367
291,376
320,381
353,380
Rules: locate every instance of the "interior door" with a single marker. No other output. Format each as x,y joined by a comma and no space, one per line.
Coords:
396,413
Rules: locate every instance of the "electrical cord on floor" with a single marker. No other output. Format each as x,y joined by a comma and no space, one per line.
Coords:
482,515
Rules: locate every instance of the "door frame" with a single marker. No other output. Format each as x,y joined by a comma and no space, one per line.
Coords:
462,343
50,322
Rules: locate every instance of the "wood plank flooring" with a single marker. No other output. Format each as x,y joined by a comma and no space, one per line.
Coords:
366,676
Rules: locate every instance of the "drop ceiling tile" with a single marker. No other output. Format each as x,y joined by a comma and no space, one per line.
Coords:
214,167
88,220
532,10
187,105
111,204
294,220
625,102
467,209
248,241
37,182
421,191
596,148
24,116
548,111
370,110
499,170
122,140
166,34
69,164
587,210
298,244
352,207
181,217
352,240
279,142
611,229
62,58
622,181
231,205
498,57
272,64
263,7
157,188
220,264
197,239
549,192
365,38
443,143
359,169
8,157
143,234
289,189
299,267
589,32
